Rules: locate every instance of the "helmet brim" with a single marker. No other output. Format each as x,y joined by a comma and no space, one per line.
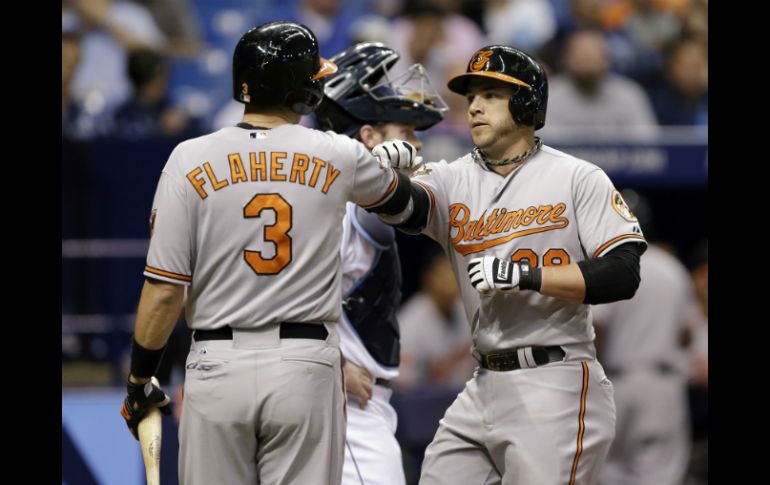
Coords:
459,84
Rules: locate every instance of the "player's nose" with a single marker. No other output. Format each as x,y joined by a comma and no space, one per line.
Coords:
475,106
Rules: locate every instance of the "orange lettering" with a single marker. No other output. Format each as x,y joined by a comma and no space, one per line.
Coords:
258,168
319,164
529,216
490,220
299,166
331,175
458,216
197,183
217,184
275,165
237,172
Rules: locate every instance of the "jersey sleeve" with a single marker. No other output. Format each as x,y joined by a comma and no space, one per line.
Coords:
604,221
429,178
170,254
373,183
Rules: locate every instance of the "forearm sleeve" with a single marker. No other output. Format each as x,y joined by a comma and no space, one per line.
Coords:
615,276
407,210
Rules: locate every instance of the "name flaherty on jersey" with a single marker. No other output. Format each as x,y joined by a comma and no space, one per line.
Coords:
265,167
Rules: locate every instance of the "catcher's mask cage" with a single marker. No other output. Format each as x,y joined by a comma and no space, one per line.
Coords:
364,91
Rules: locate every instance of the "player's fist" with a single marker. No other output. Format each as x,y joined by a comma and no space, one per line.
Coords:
140,399
489,274
358,382
398,154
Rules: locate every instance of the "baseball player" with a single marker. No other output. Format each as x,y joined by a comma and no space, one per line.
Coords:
249,220
535,236
642,351
363,101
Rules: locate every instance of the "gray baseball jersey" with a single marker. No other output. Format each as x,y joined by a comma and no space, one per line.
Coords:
538,424
554,209
251,220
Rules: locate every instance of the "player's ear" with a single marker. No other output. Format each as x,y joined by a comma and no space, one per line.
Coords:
369,136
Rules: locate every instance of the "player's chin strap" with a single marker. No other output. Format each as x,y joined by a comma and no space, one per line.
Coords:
481,158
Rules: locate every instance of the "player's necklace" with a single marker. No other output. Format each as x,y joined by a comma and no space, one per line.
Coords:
480,157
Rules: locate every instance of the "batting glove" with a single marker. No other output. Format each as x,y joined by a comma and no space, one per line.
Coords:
489,274
141,398
397,154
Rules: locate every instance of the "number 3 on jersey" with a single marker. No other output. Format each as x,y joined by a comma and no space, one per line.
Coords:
277,233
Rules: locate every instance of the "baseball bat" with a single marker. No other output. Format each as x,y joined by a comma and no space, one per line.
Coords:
150,433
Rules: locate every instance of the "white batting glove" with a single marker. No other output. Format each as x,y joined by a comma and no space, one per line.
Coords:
398,154
489,274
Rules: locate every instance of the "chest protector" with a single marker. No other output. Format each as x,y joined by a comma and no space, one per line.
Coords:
370,304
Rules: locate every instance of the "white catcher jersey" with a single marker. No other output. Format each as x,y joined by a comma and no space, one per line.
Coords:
251,220
357,256
554,209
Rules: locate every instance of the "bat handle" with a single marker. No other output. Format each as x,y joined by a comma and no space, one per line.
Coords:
150,439
149,431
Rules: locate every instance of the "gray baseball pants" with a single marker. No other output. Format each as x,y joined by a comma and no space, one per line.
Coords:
260,409
549,425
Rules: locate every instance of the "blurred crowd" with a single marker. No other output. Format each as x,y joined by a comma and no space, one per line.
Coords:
141,68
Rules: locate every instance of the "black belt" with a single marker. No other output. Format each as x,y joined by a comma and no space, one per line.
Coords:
505,361
382,382
288,330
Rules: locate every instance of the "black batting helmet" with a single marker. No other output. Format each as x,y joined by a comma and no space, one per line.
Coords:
512,66
278,64
363,92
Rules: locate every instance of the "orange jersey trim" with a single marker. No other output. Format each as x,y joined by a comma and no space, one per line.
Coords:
582,424
167,274
614,240
391,188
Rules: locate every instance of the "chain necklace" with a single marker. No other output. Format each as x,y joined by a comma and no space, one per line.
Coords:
480,157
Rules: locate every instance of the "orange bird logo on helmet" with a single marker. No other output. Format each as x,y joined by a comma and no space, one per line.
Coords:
478,60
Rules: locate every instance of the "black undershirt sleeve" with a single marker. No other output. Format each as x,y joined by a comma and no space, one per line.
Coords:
614,276
398,201
419,218
406,192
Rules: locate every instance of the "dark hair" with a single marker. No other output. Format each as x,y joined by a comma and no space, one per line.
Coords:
420,8
144,65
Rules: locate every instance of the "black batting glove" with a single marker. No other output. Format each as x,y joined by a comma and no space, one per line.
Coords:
141,398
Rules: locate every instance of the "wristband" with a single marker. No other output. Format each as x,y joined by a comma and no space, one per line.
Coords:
529,278
144,362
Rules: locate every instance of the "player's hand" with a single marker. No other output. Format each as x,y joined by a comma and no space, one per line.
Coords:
140,399
397,154
358,382
489,274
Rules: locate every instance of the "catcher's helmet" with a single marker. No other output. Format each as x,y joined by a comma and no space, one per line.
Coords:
362,92
530,96
278,64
